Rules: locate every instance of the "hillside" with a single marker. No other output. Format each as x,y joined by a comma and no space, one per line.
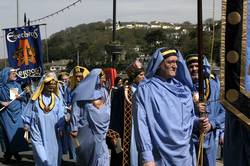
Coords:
138,40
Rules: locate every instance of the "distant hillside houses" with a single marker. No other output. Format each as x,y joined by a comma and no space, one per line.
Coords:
151,25
160,25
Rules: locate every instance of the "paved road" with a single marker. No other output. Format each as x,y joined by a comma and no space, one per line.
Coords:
27,160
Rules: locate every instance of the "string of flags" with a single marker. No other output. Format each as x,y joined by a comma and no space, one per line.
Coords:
57,12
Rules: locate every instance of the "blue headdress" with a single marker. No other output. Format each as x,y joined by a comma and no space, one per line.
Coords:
86,90
4,75
182,73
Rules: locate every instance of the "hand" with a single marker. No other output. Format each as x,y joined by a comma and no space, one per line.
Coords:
221,141
98,103
26,135
69,108
150,163
27,89
205,125
26,128
73,134
114,141
17,96
5,103
61,133
196,97
202,107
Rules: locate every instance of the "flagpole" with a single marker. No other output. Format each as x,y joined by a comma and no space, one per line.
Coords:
200,50
200,71
4,50
17,13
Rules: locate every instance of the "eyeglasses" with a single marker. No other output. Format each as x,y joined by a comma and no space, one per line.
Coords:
171,62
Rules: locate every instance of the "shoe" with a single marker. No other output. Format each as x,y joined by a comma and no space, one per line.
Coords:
6,158
17,157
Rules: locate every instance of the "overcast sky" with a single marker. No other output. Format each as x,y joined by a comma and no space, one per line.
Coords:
176,11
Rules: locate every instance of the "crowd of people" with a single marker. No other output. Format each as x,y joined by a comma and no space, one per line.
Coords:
151,117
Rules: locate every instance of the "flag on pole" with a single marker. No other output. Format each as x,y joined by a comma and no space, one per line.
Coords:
24,50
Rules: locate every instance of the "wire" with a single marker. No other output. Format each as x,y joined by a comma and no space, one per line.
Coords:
57,12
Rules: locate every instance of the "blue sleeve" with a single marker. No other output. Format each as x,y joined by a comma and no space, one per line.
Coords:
75,117
61,115
142,136
22,94
221,134
67,96
196,126
27,114
218,120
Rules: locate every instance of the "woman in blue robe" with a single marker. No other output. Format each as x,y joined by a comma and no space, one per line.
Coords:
90,120
163,112
10,116
45,118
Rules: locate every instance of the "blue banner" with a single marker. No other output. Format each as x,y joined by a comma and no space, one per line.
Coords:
25,51
247,74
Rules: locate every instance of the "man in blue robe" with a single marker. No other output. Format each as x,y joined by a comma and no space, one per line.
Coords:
10,116
44,118
121,118
215,111
163,112
90,120
70,82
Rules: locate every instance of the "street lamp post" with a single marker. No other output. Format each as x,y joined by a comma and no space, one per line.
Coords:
114,29
114,48
77,57
114,20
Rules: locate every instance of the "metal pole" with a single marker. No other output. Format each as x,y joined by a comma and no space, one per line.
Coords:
114,20
77,54
114,29
200,50
200,71
4,50
46,41
17,13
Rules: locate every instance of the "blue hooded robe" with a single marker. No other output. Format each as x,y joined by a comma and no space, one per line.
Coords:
216,116
44,129
163,113
10,117
90,122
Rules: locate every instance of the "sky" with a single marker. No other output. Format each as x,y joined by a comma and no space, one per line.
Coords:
174,11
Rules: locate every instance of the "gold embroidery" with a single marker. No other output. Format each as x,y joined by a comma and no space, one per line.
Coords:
208,89
51,105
